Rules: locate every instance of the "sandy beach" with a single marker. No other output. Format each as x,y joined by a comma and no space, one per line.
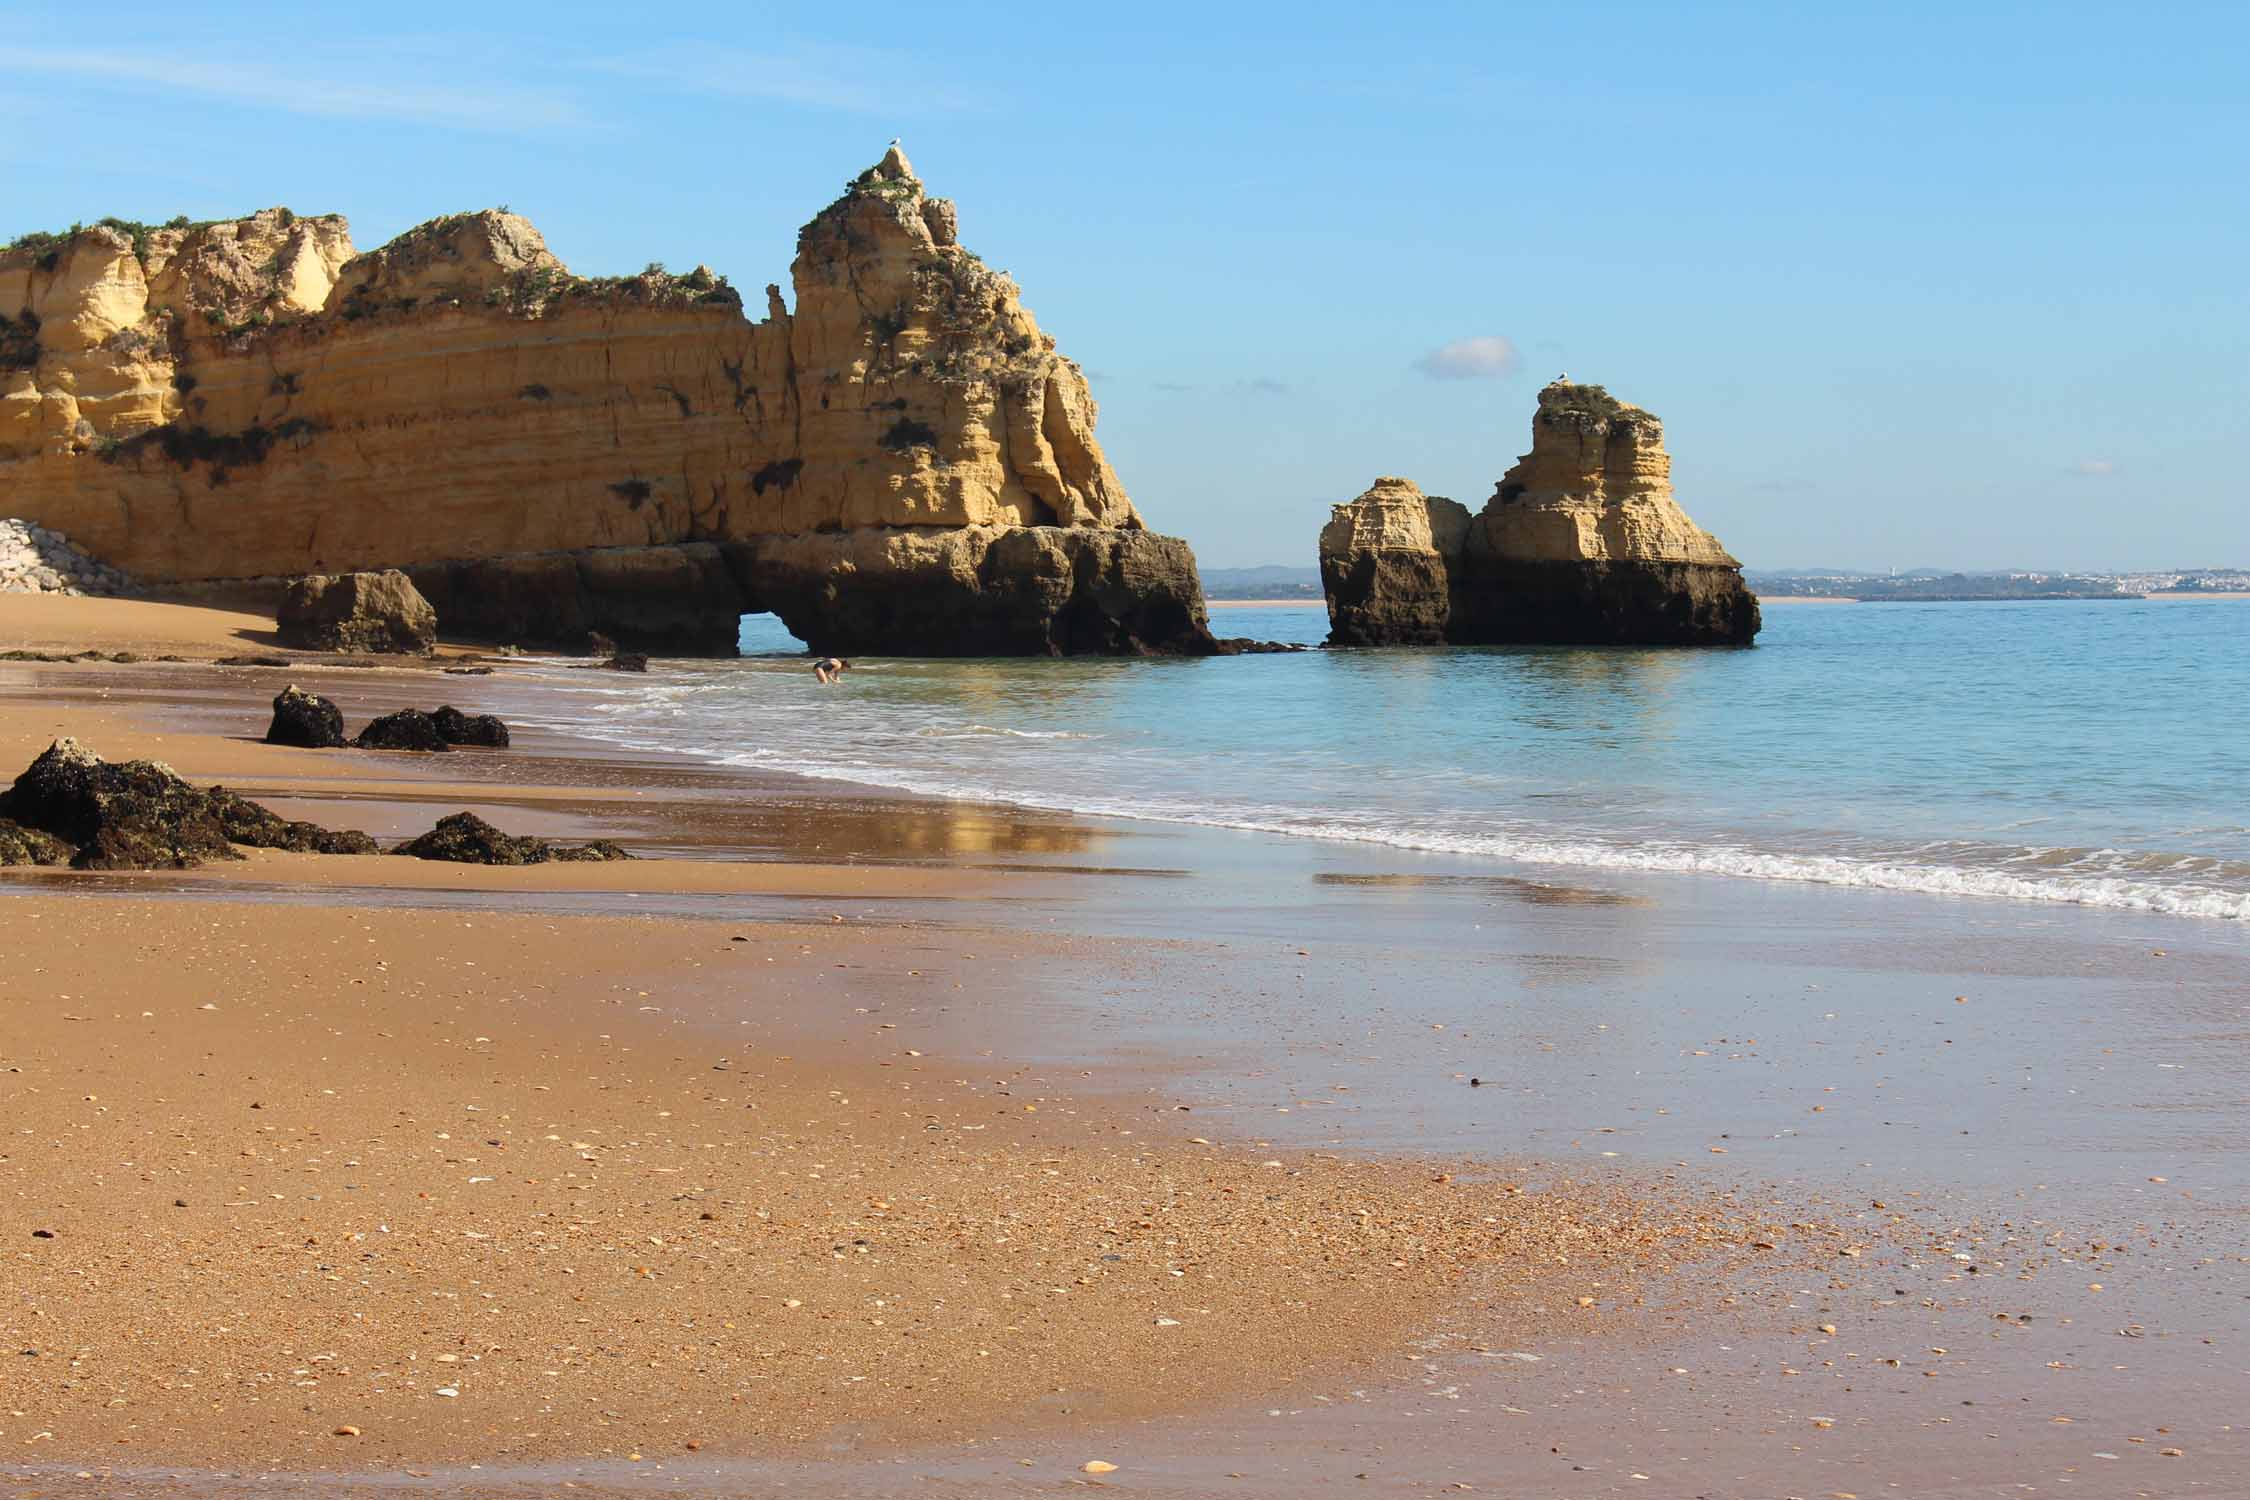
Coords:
327,1180
851,1131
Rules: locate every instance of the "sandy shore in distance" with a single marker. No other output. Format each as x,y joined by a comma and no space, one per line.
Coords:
322,1183
1266,603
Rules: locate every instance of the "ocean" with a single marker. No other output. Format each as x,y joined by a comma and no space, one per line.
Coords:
2058,752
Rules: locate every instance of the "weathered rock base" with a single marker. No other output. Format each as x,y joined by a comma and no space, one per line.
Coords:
1601,603
968,591
1387,598
982,591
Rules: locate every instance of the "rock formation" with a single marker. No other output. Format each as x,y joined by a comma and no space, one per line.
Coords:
305,720
139,815
481,731
463,838
1581,543
554,454
378,612
1386,562
407,729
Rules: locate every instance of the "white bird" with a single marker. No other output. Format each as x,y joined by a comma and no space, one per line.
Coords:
1562,378
894,140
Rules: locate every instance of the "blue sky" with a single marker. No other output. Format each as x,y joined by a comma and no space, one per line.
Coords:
1909,284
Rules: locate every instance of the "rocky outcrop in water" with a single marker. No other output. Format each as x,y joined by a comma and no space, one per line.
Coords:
551,454
380,612
463,838
1581,543
139,815
1387,561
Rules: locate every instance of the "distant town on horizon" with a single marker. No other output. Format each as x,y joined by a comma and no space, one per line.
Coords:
1281,581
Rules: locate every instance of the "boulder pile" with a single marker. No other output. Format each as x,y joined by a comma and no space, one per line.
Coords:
34,560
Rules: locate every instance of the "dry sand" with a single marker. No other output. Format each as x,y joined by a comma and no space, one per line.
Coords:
61,622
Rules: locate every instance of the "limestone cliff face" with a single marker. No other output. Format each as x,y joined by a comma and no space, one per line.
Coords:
928,396
97,331
256,398
1595,487
1581,543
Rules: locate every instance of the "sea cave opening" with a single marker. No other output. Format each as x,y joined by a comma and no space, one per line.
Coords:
763,634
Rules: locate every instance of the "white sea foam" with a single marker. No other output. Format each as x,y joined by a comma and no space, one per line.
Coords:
2100,878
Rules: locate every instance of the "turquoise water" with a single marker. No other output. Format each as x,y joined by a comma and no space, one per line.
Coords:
2091,753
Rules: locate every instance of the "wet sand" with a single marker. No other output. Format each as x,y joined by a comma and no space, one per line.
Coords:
1801,1050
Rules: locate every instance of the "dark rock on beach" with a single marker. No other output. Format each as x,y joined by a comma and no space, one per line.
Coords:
28,846
463,838
246,822
140,815
458,728
408,729
305,719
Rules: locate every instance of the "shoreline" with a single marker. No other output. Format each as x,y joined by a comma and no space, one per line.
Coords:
1315,1005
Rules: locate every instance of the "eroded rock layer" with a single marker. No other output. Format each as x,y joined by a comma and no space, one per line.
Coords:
255,398
1582,543
1386,564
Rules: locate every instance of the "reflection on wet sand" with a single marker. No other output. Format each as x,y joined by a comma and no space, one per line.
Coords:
1529,892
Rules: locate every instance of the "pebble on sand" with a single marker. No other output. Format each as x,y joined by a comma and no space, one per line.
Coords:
1096,1466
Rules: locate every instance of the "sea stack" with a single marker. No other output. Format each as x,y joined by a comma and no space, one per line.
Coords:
903,463
1580,544
1386,563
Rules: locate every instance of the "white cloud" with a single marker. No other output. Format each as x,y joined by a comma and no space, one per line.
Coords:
1484,358
2093,468
851,80
467,85
311,85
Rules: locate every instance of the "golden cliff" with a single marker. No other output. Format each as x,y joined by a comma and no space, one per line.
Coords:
1582,542
902,463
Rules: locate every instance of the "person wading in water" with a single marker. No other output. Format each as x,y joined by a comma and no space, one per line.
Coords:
829,668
